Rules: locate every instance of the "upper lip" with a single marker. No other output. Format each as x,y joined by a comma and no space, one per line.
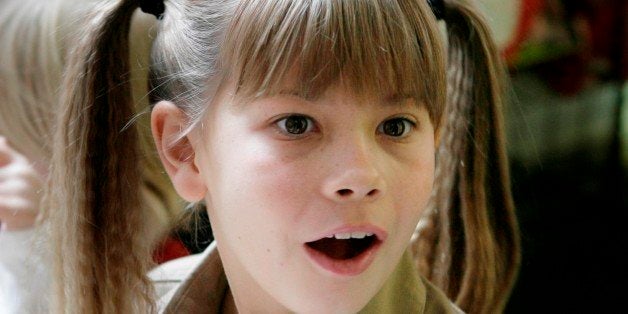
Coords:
380,233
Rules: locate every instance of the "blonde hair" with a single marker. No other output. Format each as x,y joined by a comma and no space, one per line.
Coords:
36,39
30,67
376,48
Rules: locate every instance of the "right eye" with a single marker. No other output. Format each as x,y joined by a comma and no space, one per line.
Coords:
295,125
397,127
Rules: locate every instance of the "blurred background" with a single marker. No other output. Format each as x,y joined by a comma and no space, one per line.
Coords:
567,129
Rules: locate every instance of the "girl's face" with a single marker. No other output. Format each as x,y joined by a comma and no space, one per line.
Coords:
313,202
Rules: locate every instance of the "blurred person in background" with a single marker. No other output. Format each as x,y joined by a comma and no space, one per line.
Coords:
36,39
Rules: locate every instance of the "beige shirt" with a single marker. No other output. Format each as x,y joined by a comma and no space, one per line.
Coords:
197,284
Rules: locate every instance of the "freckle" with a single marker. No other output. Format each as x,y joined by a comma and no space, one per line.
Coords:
239,238
268,250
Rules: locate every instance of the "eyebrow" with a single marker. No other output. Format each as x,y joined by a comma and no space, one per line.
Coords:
399,98
396,99
297,94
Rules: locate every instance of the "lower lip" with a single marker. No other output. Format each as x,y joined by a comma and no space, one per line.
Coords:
348,267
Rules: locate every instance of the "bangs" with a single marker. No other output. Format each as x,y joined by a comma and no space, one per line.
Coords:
376,48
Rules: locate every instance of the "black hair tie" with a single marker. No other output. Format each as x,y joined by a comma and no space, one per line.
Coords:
154,7
157,8
438,7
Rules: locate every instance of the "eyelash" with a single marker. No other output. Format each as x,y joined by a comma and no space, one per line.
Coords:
409,126
282,126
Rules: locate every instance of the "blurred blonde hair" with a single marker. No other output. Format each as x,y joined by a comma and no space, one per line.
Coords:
35,42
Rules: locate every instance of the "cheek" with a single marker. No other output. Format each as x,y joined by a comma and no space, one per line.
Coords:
253,189
252,168
413,187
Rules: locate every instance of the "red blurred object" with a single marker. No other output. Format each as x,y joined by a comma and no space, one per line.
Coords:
529,10
608,23
591,37
171,248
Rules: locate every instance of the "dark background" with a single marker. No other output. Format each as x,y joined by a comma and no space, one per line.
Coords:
568,141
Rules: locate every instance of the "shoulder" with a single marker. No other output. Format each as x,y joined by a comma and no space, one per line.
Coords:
437,301
168,276
192,284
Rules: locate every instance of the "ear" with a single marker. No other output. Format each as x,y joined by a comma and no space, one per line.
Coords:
177,153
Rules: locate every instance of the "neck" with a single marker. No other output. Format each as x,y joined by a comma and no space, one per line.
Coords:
228,304
244,294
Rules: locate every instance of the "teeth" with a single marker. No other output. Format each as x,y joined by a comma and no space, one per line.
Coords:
349,235
342,236
358,235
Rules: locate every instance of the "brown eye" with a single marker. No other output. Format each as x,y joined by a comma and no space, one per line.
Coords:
295,125
398,127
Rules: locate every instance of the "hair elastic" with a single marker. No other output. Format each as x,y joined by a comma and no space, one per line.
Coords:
157,8
438,7
154,7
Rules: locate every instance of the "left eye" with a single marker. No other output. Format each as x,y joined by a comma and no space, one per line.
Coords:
295,125
397,127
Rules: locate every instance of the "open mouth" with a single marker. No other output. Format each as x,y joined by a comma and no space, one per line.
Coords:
345,254
343,248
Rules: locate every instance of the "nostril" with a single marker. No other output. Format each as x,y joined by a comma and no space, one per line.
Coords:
345,192
349,192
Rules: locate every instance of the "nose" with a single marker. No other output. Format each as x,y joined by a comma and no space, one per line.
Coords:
354,173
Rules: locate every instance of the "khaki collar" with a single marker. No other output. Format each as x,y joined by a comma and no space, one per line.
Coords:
202,290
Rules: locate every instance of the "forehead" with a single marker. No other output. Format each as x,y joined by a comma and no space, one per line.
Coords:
377,49
341,88
342,94
335,95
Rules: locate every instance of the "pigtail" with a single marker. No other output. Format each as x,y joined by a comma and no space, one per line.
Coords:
101,261
469,241
482,215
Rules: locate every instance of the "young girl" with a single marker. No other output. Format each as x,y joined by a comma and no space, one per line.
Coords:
309,129
34,43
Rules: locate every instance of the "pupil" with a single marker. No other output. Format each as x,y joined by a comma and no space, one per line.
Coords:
394,127
296,125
